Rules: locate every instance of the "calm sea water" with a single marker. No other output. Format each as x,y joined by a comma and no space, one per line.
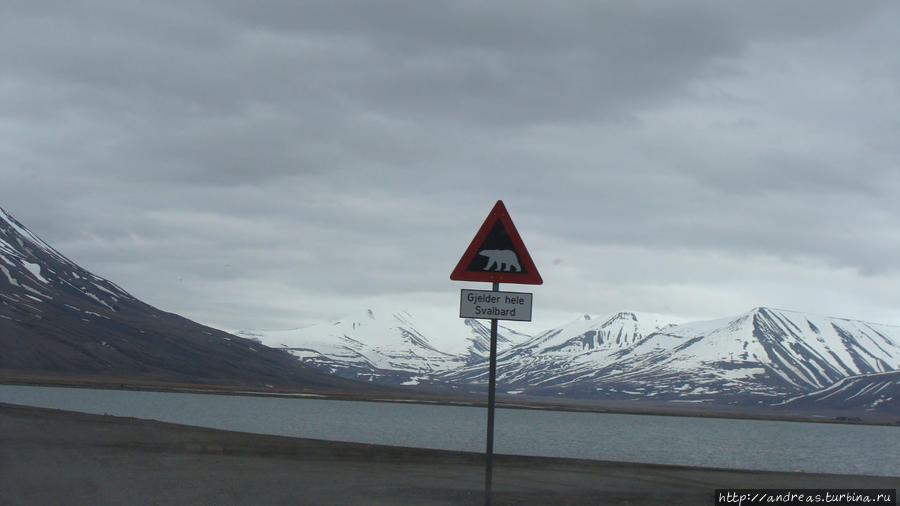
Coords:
741,444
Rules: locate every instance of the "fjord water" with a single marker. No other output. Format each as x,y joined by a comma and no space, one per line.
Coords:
726,443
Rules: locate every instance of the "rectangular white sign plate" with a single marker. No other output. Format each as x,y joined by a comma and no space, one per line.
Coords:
492,305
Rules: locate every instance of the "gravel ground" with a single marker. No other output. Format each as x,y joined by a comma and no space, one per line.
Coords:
58,457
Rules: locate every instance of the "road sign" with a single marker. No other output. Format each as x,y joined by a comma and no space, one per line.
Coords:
495,305
497,253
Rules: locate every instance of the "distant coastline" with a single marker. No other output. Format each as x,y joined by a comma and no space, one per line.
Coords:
636,407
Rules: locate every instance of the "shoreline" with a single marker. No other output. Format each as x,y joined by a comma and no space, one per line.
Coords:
642,407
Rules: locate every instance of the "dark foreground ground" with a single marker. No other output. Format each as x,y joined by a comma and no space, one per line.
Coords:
57,457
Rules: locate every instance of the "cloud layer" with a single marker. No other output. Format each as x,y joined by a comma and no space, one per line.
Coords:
270,164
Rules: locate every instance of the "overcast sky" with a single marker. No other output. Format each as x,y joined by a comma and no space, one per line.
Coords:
275,164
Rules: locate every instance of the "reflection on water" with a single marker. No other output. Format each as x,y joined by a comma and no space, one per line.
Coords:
744,444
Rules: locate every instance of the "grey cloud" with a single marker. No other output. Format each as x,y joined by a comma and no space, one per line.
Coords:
352,148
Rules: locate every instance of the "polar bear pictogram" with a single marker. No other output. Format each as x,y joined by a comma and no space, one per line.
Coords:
501,260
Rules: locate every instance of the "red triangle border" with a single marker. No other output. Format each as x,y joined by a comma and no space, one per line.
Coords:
530,277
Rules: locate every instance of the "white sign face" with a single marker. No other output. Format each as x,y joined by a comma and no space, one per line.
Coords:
495,305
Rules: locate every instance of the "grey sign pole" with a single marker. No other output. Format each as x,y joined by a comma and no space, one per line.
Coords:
492,378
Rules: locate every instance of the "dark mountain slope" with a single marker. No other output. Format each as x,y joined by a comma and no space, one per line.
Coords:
56,317
878,392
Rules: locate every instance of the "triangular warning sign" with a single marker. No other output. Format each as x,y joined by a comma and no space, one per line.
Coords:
497,254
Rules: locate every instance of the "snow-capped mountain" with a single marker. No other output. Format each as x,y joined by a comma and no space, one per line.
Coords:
797,351
570,351
391,347
57,318
764,353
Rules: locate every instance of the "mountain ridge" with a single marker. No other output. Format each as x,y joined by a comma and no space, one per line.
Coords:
759,353
762,355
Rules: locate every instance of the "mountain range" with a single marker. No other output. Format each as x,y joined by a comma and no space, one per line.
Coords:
763,356
57,318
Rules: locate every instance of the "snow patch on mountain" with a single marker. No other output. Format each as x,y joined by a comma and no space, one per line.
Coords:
9,276
35,270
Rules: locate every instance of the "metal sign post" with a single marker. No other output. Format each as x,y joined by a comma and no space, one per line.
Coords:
492,387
